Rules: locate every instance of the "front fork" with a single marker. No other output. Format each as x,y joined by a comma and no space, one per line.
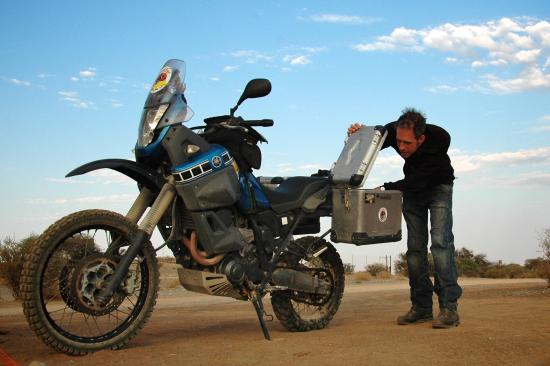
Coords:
143,233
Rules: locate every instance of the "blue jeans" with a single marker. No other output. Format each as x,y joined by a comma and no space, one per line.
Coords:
438,201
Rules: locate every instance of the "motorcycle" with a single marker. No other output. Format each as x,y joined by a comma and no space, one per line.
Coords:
91,281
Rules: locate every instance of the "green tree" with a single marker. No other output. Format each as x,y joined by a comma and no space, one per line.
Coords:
469,264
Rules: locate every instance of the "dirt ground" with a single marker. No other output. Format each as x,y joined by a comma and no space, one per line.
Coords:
503,322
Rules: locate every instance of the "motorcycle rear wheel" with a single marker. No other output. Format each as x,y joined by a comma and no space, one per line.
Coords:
65,271
300,312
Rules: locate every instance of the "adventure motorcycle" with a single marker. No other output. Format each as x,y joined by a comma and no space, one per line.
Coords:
92,279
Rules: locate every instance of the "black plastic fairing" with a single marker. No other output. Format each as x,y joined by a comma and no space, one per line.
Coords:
138,172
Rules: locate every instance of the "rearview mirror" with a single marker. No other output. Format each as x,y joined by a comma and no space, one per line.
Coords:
256,88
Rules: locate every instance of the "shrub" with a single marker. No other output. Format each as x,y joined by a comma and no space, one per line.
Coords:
383,275
543,271
376,268
400,265
544,268
12,256
495,272
512,270
14,253
349,268
362,276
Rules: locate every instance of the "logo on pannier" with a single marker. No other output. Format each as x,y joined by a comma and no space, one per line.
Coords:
382,214
216,161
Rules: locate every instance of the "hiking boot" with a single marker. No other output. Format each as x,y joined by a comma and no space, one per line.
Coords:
416,315
447,318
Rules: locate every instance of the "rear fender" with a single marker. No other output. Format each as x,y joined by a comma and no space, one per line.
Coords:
142,174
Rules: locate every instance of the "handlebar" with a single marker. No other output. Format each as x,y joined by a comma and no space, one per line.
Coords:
238,121
256,122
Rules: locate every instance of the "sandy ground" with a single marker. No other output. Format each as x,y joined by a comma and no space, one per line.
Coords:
503,322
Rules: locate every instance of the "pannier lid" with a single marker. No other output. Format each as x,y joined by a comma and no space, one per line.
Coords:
358,155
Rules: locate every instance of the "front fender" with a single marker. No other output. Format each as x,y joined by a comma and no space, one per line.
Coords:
138,172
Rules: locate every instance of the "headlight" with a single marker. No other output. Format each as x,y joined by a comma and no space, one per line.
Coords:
149,122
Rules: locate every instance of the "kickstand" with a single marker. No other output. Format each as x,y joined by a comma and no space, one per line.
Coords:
259,307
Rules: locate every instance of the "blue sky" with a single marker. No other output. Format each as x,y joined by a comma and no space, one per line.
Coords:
74,77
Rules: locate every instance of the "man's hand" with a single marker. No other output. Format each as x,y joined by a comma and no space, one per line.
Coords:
354,127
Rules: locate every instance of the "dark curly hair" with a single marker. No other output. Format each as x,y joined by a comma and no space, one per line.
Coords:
413,119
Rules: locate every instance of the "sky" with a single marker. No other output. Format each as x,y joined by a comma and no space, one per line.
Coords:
74,77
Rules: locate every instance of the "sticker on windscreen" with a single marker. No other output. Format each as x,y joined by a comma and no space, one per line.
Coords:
162,80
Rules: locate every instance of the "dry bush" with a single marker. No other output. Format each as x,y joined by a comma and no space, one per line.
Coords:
12,257
383,275
543,271
506,271
349,268
362,276
376,268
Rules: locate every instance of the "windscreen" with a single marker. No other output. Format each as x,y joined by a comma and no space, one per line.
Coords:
170,81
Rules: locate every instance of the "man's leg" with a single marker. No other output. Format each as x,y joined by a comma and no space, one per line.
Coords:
415,211
443,250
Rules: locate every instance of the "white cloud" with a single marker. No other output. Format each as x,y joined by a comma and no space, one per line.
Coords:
541,31
443,89
297,60
231,68
74,78
286,168
544,125
97,177
501,43
531,78
67,93
463,162
527,56
376,46
44,76
88,73
477,63
530,179
114,198
339,18
251,56
215,78
313,50
20,82
73,99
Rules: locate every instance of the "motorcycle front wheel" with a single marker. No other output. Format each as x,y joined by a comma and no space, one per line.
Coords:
300,312
64,273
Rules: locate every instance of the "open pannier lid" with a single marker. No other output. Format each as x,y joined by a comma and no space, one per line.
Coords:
358,155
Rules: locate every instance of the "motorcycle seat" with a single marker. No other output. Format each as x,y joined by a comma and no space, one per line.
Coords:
292,192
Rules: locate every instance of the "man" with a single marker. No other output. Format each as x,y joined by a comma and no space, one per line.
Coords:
427,187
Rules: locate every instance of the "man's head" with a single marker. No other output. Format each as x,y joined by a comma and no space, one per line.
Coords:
411,126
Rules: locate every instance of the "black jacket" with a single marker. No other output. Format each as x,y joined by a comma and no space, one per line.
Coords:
429,166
